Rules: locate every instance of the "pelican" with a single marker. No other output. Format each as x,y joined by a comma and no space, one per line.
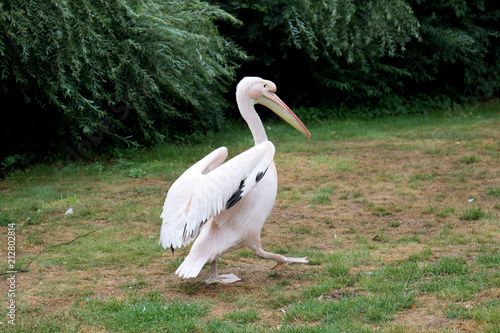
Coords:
226,204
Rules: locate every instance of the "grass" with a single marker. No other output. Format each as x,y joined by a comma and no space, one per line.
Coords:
469,159
380,207
151,313
495,191
473,214
322,195
136,173
246,316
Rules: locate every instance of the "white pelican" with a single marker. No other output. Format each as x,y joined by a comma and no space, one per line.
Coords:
228,202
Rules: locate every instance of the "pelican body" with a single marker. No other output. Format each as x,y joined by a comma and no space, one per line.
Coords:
223,206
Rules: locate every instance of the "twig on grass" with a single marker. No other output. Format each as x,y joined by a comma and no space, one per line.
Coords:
25,269
439,306
193,288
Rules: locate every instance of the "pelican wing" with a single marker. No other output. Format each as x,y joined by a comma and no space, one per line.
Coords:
208,188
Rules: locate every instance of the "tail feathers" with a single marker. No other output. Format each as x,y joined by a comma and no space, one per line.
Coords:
190,267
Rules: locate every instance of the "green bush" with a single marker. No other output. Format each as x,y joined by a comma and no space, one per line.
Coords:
91,74
459,50
132,71
328,53
314,48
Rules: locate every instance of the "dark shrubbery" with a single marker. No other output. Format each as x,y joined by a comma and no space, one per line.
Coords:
87,74
81,70
324,53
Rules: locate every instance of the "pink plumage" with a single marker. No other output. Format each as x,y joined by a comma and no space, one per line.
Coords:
223,206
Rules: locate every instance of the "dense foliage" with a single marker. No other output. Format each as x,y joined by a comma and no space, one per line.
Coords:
460,48
86,74
90,69
335,52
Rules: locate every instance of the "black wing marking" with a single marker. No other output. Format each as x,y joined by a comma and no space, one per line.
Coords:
260,175
193,232
236,195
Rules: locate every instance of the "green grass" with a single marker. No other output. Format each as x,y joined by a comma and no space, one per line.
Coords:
381,211
469,159
473,214
380,207
395,224
421,177
490,260
445,212
151,314
246,316
133,249
322,195
136,173
495,191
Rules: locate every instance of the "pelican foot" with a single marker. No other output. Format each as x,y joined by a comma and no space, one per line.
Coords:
290,261
298,260
225,279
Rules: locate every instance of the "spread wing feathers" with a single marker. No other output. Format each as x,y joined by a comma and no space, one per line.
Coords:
207,188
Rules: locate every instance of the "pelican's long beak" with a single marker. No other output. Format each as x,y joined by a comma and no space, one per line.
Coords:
273,102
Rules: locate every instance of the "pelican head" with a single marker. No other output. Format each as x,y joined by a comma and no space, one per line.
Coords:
263,92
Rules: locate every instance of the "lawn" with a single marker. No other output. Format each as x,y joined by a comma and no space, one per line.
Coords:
399,218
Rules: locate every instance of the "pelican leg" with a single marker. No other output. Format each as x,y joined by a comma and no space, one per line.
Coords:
216,278
280,260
